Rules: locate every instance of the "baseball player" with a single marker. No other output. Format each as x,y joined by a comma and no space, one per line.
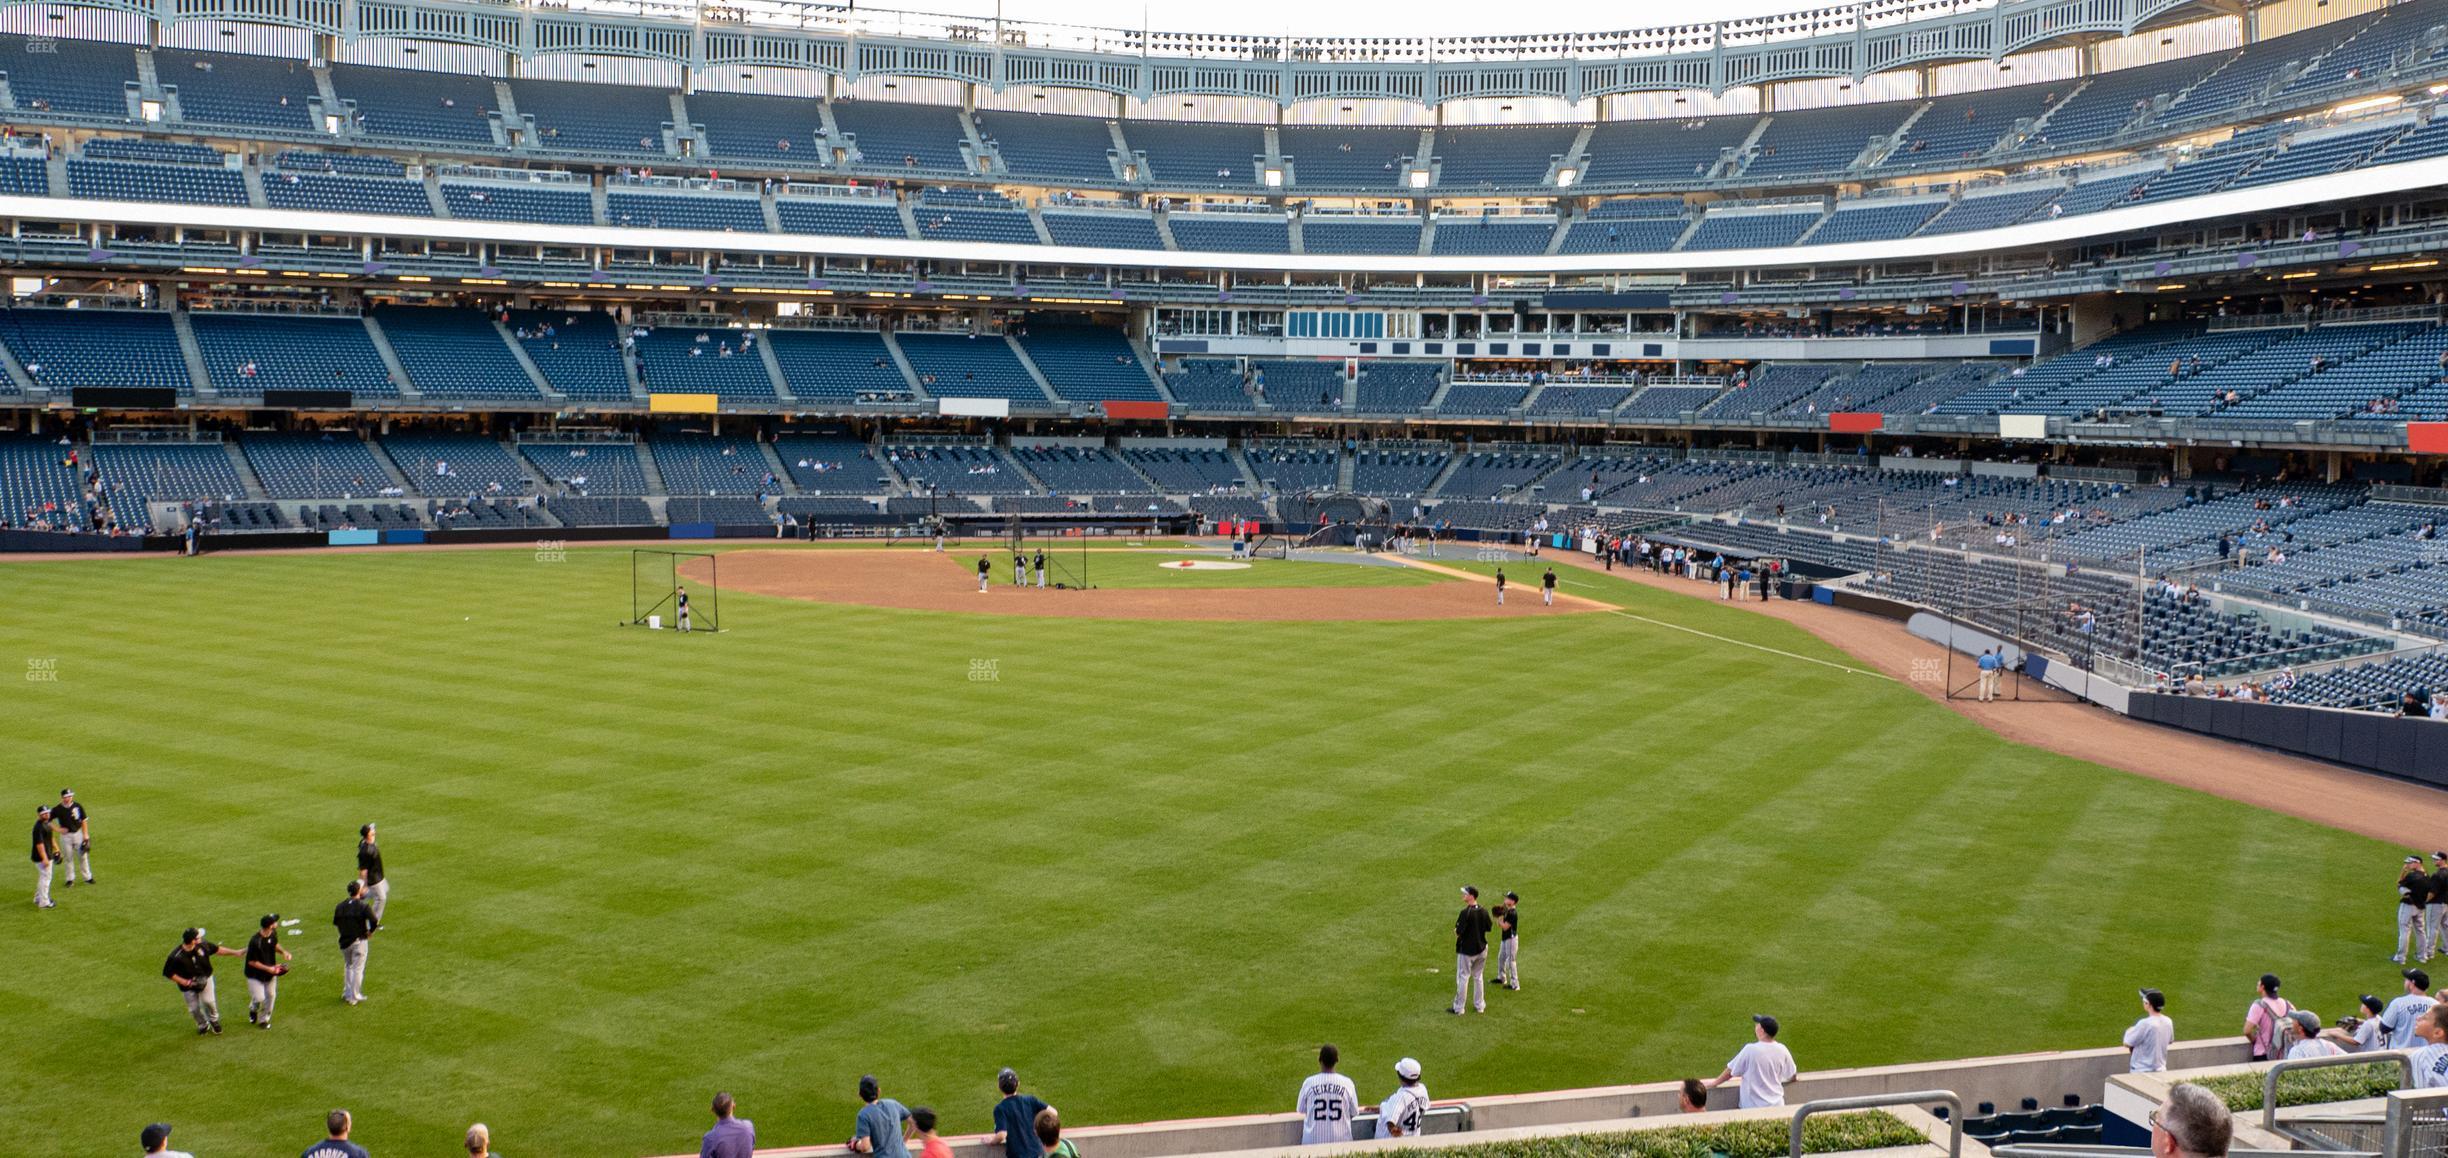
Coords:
44,855
68,819
1328,1102
1019,568
1500,587
190,968
1471,928
985,569
264,955
1508,950
1040,568
684,616
1549,584
2413,895
2437,910
356,923
370,871
1399,1115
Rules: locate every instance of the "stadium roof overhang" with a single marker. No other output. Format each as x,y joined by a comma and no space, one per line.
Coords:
1853,40
2353,186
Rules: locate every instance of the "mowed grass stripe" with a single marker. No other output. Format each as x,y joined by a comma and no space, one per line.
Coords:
1150,864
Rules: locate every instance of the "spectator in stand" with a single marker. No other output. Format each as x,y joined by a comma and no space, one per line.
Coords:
731,1137
1764,1066
1015,1117
1048,1129
479,1141
930,1145
2398,1022
2264,1021
1693,1097
335,1143
2303,1030
2150,1036
882,1127
2193,1123
156,1142
2430,1059
2366,1030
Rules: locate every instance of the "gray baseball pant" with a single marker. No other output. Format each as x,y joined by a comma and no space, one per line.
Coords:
2409,928
42,883
202,1005
261,993
1508,962
73,855
352,971
1470,968
377,896
2438,930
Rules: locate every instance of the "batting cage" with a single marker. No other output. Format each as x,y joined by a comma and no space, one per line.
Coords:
1066,557
655,584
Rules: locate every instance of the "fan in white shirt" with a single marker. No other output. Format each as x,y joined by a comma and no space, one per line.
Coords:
1764,1066
1399,1116
2303,1028
2150,1037
1328,1102
2431,1059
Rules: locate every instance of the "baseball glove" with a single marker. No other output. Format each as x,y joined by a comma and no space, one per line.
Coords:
280,971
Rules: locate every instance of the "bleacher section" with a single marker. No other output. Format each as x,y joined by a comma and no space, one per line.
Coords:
1185,154
446,465
1081,470
1402,472
1658,152
247,354
64,349
1479,234
1057,148
1348,235
1751,230
1087,363
1511,157
550,203
909,138
578,352
967,215
1826,141
77,78
1209,384
1397,387
588,468
338,193
840,216
701,464
1105,230
1348,158
576,117
455,355
1185,470
222,88
722,213
839,364
689,360
412,105
957,470
1231,232
781,130
830,463
960,366
333,464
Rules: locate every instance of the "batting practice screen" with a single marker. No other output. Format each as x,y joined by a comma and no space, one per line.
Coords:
654,589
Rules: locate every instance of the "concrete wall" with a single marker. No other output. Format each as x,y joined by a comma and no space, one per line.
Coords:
2047,1078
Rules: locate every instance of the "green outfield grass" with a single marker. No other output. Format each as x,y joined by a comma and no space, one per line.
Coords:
1141,569
1151,865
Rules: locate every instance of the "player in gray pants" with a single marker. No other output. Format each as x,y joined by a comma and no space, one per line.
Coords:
1508,950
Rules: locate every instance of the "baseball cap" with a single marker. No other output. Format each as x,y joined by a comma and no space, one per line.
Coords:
191,934
1473,890
2307,1021
1512,896
154,1135
1765,1022
1407,1069
269,920
2413,858
2156,999
2420,979
67,791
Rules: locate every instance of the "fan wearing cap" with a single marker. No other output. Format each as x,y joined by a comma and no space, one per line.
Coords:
2413,896
2150,1036
1764,1066
2303,1028
1471,928
1400,1114
2265,1019
75,837
2398,1020
264,955
2366,1030
190,968
370,870
156,1142
2430,1060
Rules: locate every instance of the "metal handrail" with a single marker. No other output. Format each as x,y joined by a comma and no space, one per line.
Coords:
1953,1101
2269,1081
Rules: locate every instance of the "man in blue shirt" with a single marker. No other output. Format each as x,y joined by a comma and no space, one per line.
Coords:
1015,1118
880,1123
1988,674
337,1145
731,1137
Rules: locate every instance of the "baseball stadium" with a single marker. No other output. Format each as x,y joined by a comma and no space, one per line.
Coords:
1054,581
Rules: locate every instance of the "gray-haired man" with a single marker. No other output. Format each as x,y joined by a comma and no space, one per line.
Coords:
2192,1123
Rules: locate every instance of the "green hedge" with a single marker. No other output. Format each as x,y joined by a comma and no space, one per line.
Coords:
2307,1088
1759,1138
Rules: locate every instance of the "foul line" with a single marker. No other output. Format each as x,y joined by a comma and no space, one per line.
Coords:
1613,610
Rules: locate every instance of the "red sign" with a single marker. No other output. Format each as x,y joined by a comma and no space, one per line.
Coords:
1155,410
2427,437
1855,422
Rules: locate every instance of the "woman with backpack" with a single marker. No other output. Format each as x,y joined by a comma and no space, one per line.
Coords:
2264,1023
